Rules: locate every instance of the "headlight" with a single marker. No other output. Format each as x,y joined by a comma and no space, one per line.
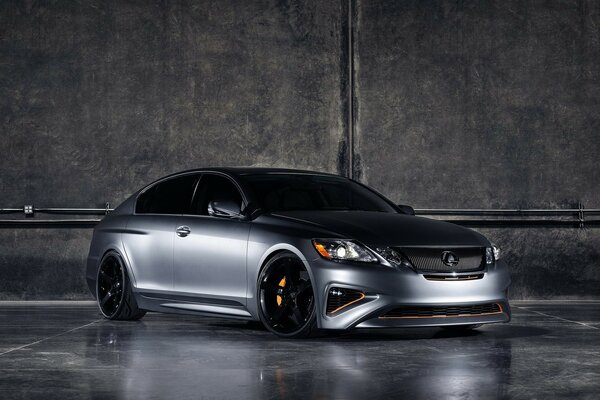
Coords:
343,250
395,258
492,254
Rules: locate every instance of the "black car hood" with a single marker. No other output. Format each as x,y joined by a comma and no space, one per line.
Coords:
388,229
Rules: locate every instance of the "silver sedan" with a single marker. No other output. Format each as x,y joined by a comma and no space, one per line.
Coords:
300,251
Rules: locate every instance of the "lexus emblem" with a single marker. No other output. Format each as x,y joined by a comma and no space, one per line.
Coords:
449,258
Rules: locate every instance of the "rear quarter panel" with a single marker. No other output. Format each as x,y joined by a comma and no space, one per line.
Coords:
106,237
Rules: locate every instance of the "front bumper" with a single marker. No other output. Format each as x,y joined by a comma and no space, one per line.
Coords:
387,288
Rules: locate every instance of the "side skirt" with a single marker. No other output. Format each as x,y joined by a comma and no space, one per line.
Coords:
191,305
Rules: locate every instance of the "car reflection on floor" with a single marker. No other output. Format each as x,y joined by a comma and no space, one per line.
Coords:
70,352
164,360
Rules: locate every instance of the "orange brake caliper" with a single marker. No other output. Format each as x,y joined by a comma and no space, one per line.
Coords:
281,284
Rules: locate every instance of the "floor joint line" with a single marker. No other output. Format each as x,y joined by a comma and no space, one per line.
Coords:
560,318
48,338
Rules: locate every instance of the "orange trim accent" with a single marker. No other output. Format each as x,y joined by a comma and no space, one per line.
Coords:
449,316
279,300
321,249
282,282
347,304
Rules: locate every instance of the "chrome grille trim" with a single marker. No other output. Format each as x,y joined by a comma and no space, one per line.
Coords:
470,277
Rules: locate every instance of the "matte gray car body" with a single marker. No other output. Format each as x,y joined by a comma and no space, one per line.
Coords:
213,270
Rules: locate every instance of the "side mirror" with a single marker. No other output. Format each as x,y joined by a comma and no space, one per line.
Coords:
224,208
408,210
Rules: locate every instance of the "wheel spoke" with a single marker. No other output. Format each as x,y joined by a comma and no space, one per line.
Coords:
279,313
303,286
106,298
297,316
105,277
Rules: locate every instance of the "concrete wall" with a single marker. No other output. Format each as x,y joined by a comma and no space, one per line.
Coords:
100,97
457,104
471,104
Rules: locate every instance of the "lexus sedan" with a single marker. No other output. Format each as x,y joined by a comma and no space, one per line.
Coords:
299,251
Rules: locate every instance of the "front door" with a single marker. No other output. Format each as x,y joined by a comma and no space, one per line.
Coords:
210,251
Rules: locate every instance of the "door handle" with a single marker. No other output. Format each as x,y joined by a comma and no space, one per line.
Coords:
183,231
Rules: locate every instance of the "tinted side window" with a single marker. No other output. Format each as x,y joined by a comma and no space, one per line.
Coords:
173,196
287,192
214,188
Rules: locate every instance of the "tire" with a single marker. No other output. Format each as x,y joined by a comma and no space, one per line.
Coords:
286,300
113,290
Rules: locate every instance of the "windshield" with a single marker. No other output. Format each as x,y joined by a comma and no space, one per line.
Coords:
288,192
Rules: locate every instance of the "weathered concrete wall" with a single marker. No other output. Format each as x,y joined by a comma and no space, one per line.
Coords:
98,98
480,103
458,104
43,263
495,104
550,263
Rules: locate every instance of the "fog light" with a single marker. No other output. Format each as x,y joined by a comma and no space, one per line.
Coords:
339,299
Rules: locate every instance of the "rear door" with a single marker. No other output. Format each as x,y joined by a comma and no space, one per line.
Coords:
210,258
148,240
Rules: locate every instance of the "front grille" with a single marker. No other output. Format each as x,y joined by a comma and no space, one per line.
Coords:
443,311
339,299
426,259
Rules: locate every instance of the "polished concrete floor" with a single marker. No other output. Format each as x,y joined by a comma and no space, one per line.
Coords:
66,351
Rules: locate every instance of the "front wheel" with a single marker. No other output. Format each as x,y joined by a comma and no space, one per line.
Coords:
286,299
113,290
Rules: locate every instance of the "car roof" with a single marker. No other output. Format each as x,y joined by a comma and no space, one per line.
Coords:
254,170
237,171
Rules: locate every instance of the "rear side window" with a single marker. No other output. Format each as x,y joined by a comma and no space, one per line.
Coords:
173,196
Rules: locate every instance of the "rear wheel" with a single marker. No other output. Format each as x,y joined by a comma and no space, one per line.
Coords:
286,298
113,290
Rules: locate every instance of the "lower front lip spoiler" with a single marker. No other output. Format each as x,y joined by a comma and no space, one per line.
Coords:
377,322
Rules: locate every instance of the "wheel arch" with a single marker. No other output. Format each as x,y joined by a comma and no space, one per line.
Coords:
95,262
279,248
123,256
267,256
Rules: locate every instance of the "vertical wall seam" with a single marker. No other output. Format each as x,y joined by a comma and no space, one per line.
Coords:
351,122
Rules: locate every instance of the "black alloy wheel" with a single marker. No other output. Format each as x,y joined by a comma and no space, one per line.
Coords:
114,295
287,302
